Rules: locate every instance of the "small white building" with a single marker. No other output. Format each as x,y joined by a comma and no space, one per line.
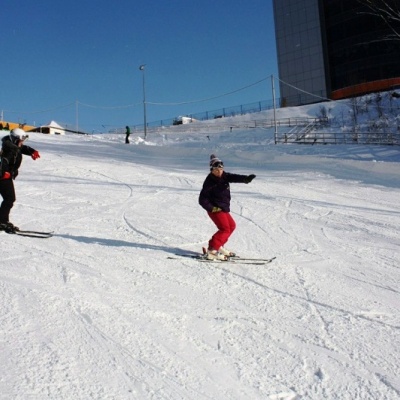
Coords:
52,128
183,120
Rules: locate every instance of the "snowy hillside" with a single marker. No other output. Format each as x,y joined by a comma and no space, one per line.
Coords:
99,311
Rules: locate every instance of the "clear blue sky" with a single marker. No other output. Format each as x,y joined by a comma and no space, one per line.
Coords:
55,53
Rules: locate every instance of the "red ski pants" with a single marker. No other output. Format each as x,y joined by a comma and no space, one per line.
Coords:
225,224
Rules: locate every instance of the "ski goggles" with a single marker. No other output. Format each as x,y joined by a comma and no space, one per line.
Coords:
218,164
19,138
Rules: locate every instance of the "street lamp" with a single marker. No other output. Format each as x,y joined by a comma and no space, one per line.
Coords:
144,102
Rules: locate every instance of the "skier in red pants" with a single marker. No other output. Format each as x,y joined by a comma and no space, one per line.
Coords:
215,198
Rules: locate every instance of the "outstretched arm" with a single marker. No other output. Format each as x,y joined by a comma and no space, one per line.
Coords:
236,178
29,151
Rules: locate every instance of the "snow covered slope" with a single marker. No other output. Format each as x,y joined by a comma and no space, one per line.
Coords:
100,312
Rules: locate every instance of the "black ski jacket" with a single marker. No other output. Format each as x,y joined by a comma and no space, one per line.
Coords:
216,191
11,156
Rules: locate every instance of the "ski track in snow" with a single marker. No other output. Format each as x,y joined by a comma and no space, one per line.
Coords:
98,312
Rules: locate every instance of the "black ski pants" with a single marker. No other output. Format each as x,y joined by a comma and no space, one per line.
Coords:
7,192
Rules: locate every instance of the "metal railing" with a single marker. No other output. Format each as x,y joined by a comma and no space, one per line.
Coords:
315,137
214,114
302,130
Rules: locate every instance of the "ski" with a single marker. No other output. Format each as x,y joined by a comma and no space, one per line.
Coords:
34,234
235,257
266,260
230,260
37,232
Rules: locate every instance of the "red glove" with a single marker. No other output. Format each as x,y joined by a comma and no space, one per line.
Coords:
6,175
35,155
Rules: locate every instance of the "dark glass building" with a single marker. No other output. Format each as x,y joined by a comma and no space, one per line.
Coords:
334,49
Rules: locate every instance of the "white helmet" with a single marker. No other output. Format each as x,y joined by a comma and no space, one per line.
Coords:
17,135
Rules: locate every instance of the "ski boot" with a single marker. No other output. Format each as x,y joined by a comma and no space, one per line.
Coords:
215,255
8,227
226,252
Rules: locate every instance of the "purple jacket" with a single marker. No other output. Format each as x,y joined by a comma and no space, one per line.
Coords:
216,191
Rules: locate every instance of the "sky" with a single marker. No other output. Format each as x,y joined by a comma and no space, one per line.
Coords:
105,309
77,62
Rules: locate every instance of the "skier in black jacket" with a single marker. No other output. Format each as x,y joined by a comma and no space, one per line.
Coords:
215,198
12,149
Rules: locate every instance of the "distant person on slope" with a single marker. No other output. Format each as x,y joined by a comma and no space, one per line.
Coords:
12,149
127,133
215,198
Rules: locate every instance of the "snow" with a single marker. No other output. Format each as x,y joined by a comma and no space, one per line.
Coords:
100,312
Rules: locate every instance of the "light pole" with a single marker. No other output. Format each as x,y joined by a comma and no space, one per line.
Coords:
273,98
144,102
77,116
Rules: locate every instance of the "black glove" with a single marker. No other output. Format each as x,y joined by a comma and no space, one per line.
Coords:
249,178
